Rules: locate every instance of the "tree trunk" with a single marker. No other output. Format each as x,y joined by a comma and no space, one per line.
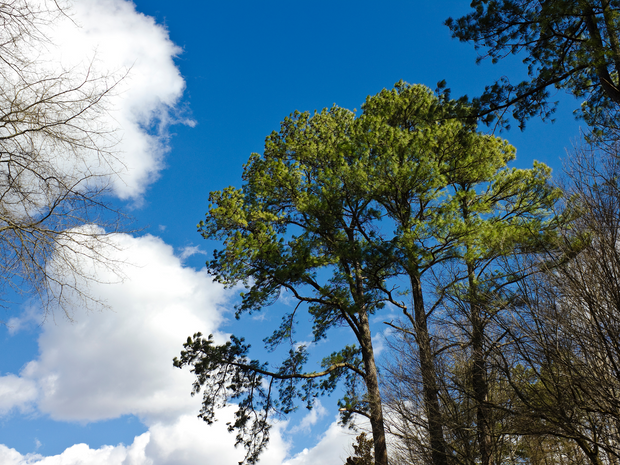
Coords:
374,396
479,380
429,382
480,386
608,85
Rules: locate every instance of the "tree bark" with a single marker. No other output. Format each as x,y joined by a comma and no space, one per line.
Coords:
479,370
429,382
607,83
479,379
374,396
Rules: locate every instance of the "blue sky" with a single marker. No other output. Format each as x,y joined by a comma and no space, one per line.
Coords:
207,82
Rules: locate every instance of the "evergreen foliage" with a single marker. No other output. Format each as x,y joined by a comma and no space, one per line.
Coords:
347,214
568,44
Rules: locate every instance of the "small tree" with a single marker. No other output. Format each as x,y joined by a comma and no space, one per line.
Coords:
362,451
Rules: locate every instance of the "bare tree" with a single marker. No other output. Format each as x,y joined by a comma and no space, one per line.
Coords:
57,157
566,331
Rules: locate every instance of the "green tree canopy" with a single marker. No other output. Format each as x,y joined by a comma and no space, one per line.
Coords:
568,44
346,214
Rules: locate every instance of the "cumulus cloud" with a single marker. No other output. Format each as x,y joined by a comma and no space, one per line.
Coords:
115,362
30,317
187,441
379,340
190,441
16,393
110,38
330,450
191,250
81,454
118,361
311,418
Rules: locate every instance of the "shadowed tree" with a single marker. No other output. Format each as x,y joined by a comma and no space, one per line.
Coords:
567,44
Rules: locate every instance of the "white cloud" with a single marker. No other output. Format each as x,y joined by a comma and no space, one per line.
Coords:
379,340
119,361
115,362
111,38
332,449
31,316
16,393
190,250
311,418
190,441
81,454
10,456
187,441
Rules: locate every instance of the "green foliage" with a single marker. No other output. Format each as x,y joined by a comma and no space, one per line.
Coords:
568,44
224,372
335,210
